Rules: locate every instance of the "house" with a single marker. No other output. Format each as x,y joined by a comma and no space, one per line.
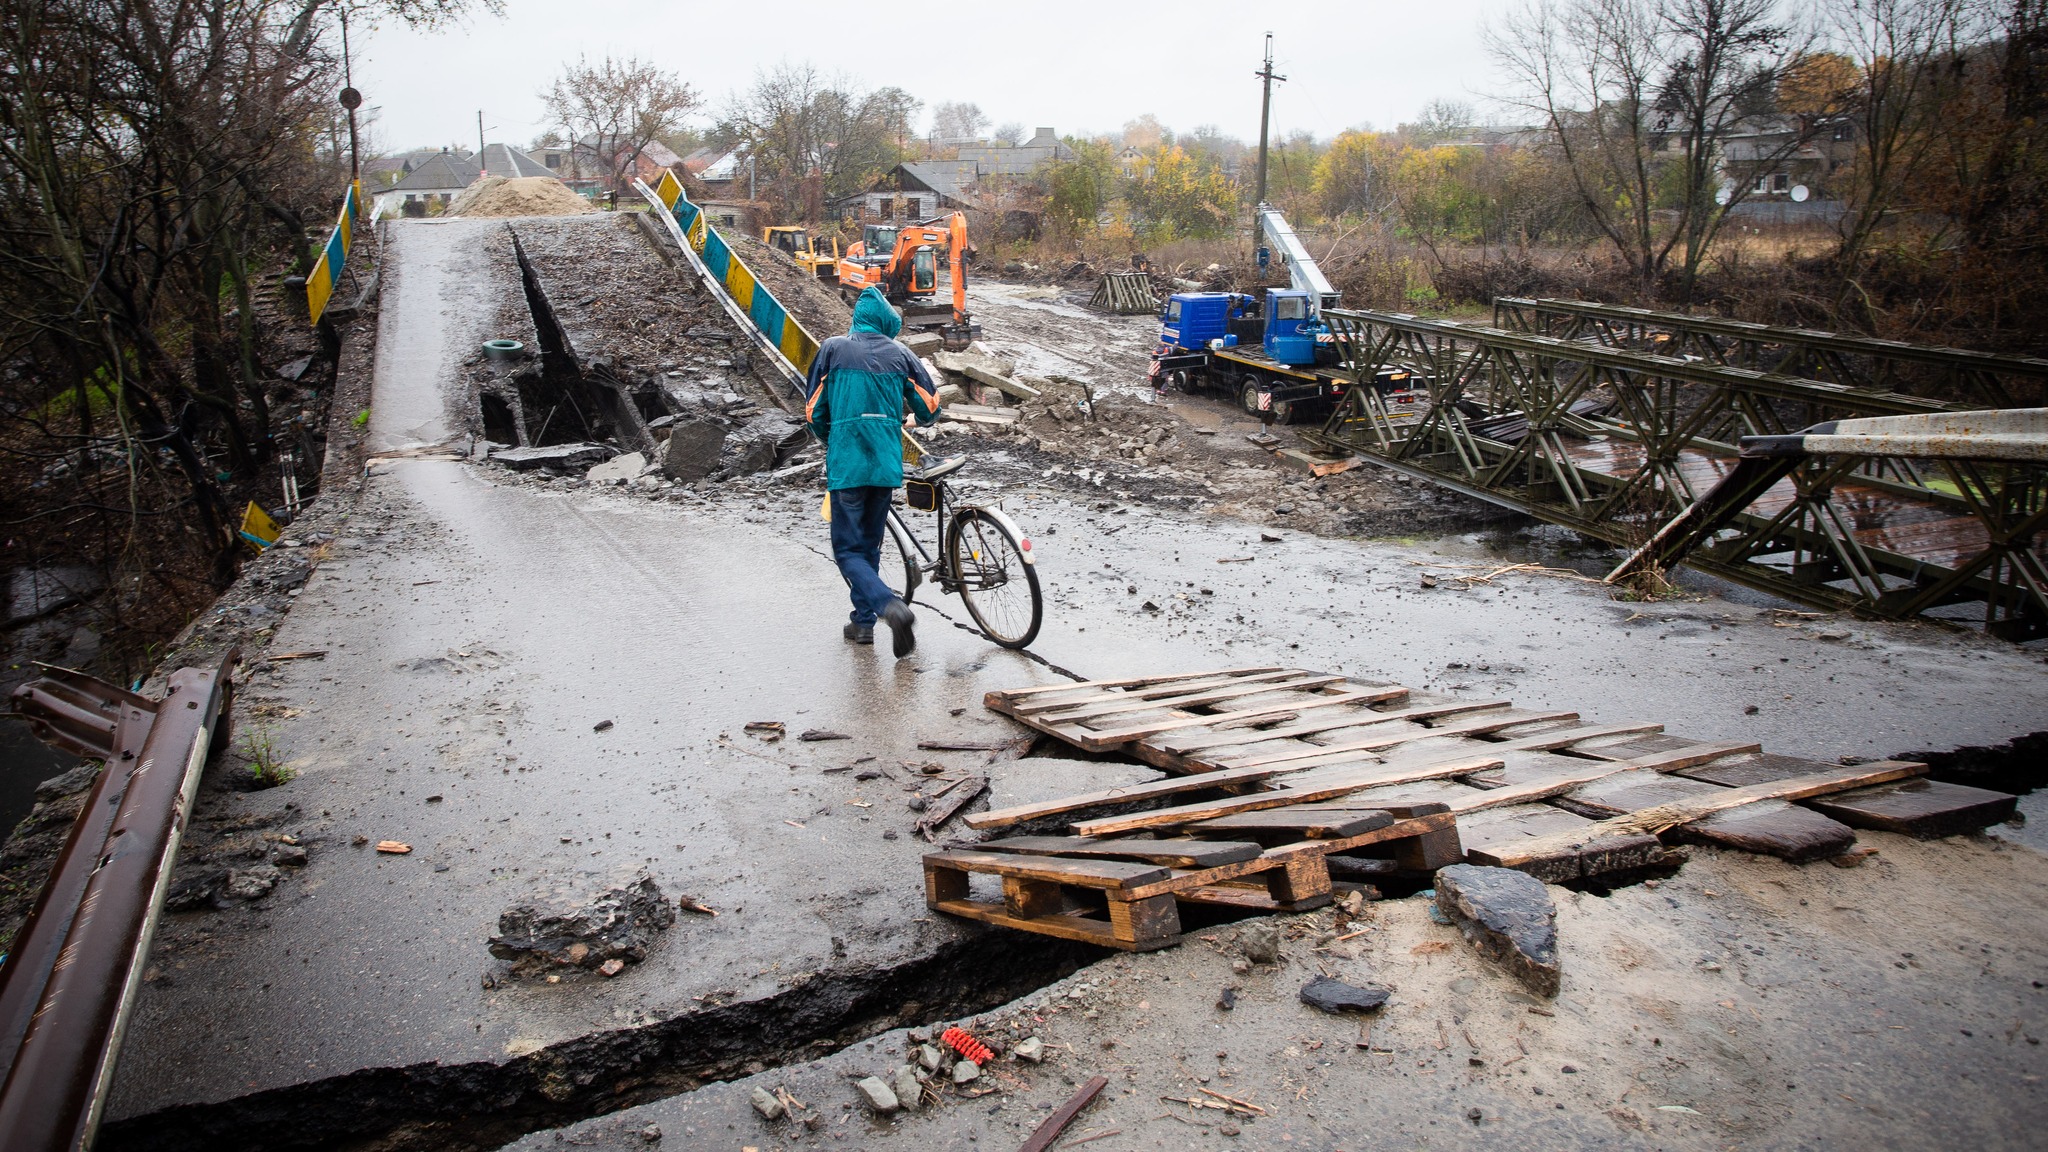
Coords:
431,184
379,174
910,192
505,160
976,179
1133,163
588,164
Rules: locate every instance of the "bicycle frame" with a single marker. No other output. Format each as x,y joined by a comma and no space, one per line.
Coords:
908,543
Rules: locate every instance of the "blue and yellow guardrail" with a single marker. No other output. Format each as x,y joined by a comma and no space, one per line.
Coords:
327,270
798,346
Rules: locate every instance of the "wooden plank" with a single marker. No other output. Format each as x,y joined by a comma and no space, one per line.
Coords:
1571,779
1303,791
1662,817
1145,918
1493,836
1172,853
1104,741
1330,753
1768,827
1030,899
1250,899
1282,855
1043,1136
1298,821
1124,794
1110,875
996,700
1204,740
1065,926
1115,705
1043,705
1922,809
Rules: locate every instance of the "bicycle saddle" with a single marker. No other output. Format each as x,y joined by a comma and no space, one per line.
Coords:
944,467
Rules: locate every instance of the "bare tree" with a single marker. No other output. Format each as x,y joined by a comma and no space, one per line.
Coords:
1893,83
614,109
1641,98
955,122
1011,133
813,139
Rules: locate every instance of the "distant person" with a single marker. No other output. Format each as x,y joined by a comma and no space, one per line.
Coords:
862,385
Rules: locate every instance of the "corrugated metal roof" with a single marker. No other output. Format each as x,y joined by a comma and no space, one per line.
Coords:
443,172
505,160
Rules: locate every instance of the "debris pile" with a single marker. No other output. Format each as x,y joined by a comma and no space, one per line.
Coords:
612,930
499,197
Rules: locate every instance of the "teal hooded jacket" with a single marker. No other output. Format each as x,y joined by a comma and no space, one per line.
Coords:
861,384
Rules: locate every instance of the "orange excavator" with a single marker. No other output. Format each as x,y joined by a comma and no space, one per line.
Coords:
904,264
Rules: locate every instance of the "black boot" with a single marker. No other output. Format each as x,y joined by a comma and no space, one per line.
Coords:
902,623
859,633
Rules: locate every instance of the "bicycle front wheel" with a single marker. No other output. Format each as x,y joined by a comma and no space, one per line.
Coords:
1001,590
899,569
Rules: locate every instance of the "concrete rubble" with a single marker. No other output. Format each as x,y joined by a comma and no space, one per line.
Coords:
1508,917
618,924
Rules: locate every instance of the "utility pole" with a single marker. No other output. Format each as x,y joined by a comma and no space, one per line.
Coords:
480,143
1265,112
351,100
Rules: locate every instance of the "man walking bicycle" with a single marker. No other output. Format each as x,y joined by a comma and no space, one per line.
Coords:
862,385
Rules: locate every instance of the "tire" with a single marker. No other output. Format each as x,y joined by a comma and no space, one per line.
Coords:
999,588
1283,411
1182,380
898,568
1248,397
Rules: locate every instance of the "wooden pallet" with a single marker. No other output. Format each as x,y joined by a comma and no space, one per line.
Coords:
1125,892
1285,783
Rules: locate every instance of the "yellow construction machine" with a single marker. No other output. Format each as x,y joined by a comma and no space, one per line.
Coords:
809,253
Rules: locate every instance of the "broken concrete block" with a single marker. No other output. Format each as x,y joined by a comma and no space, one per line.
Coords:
908,1090
766,1104
619,923
1508,916
880,1098
252,883
618,469
755,445
551,456
1336,996
693,449
929,1056
966,1072
924,343
1260,942
1030,1048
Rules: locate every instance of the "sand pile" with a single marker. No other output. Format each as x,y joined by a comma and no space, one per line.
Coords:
525,196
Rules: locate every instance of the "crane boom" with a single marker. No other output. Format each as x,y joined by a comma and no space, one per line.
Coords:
1302,271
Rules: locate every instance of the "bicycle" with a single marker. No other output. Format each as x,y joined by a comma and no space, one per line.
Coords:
983,556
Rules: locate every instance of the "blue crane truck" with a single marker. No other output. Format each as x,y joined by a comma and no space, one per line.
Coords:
1271,353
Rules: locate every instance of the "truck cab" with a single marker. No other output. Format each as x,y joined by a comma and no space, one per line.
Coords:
1291,327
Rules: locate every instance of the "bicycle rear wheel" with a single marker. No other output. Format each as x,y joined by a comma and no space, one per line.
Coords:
899,567
1001,590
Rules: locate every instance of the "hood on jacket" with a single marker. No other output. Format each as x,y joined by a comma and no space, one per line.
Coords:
872,313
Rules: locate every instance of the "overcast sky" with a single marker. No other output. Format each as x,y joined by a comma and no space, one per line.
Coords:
1076,65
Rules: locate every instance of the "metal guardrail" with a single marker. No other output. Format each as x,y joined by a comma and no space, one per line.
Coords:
1619,444
1985,378
69,982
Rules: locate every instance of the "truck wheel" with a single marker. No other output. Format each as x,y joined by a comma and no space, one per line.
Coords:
1248,398
1283,411
1182,380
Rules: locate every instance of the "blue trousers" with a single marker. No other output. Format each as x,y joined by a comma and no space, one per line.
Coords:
859,517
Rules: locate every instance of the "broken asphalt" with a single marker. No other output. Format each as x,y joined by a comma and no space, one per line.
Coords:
480,629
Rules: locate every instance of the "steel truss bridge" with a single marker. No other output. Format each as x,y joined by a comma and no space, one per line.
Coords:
1616,422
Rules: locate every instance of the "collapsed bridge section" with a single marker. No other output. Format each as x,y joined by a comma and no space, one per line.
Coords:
1615,443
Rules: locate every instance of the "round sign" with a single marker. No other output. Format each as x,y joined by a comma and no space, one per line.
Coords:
1800,193
351,99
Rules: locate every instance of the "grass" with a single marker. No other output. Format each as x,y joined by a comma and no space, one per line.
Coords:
266,766
362,419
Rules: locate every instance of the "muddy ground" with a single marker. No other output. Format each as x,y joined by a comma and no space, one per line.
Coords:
542,686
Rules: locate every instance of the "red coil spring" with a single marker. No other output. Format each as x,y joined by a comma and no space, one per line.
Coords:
966,1045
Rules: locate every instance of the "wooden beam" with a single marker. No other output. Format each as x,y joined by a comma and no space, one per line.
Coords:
1210,741
1331,753
995,700
1304,791
1103,741
1562,782
1035,707
1664,817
